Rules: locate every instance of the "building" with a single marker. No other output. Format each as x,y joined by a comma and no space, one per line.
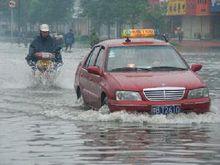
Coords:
215,10
197,21
197,18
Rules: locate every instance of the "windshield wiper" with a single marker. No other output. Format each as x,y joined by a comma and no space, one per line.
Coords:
130,69
167,68
143,69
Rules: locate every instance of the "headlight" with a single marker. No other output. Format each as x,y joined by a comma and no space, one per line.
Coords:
198,93
127,95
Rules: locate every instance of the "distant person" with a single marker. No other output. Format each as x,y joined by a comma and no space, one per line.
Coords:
43,43
69,39
93,38
175,33
199,36
180,34
24,39
19,37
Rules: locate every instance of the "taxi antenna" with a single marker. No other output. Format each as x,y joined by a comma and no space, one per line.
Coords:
165,37
127,40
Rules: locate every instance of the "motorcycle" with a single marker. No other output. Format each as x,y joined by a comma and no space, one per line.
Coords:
46,70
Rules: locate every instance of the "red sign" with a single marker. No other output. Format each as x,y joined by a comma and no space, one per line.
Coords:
203,7
12,4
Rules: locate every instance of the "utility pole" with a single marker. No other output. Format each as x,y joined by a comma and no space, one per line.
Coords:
12,22
12,5
19,15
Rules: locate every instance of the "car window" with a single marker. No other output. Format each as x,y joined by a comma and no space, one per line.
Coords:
99,58
92,56
144,57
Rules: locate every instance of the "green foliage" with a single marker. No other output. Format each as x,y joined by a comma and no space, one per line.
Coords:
155,14
109,12
39,11
93,39
83,40
131,12
4,9
50,11
123,12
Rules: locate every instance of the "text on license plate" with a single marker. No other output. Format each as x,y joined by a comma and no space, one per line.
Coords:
165,109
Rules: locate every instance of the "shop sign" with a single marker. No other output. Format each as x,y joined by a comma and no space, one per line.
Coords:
176,7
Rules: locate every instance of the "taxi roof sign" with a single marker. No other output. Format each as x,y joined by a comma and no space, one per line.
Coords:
138,33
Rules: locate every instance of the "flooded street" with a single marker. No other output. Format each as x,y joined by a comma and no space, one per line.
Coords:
47,126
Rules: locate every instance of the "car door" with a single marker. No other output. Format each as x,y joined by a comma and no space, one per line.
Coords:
95,79
85,77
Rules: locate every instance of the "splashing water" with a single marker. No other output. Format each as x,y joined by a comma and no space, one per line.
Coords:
58,100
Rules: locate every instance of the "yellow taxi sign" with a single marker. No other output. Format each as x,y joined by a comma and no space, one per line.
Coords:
137,33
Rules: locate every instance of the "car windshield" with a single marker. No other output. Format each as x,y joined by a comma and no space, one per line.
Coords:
144,58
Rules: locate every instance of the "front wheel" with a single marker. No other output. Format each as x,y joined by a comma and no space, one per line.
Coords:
104,106
105,101
81,100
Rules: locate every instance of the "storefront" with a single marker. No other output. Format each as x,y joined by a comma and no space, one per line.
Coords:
175,11
197,21
215,10
215,6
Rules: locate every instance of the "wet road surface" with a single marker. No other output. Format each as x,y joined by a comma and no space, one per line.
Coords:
47,125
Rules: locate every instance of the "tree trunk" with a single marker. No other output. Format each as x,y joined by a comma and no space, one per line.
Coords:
109,28
119,28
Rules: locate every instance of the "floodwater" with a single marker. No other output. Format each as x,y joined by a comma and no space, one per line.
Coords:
47,126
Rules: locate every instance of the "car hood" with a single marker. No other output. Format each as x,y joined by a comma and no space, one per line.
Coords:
138,81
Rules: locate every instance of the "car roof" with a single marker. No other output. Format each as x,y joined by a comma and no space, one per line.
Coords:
133,42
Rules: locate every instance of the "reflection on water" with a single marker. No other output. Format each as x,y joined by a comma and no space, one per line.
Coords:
199,50
149,144
40,140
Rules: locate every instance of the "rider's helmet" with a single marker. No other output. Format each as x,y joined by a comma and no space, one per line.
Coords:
44,28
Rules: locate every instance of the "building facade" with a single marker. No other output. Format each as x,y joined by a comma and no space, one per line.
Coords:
199,19
215,10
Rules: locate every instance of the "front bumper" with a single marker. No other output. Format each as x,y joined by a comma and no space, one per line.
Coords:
199,105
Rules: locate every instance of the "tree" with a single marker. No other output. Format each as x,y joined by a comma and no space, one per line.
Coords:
156,15
92,10
115,11
51,11
39,11
4,9
131,12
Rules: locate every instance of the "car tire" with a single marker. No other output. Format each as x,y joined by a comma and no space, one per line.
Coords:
104,105
80,97
104,101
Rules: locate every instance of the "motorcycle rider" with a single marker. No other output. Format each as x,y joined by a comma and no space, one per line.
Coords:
43,43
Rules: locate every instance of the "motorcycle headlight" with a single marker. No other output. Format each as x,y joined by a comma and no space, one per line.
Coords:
127,95
198,93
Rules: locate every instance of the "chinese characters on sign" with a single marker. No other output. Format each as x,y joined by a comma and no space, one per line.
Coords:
176,7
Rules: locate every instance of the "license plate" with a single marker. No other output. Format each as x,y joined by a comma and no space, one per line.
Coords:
167,109
45,55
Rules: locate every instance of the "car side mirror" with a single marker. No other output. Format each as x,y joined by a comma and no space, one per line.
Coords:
196,67
95,70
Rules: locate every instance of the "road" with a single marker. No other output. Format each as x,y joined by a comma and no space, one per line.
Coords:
47,125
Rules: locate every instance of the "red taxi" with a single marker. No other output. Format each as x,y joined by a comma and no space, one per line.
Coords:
142,75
